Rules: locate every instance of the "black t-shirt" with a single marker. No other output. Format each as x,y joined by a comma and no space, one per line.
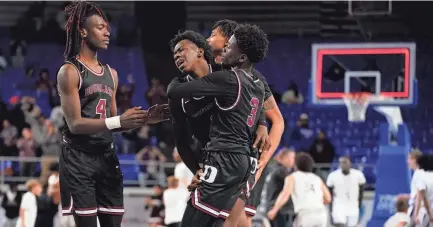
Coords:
275,185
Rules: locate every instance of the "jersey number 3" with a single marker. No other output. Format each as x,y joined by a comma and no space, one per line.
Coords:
101,108
254,102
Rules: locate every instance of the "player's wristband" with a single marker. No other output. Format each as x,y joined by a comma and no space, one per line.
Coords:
113,122
263,123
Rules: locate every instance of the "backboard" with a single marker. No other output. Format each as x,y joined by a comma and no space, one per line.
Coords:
386,70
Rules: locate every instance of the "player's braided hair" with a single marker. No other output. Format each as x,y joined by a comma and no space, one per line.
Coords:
252,41
226,27
197,39
78,12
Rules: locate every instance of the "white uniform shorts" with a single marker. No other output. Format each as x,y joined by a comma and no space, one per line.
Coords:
348,220
311,218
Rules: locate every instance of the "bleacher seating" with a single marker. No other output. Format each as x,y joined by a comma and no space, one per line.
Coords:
288,59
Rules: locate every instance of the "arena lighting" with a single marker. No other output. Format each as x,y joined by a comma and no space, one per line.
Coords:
359,51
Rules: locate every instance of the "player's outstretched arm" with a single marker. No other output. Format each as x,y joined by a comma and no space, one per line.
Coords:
68,85
215,84
283,197
327,198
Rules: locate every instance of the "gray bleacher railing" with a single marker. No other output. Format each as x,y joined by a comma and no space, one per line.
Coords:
5,161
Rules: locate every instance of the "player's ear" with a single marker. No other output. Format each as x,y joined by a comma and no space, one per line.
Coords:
200,53
243,58
83,33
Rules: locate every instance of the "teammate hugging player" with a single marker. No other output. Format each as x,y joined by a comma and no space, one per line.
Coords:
91,182
221,32
192,116
238,99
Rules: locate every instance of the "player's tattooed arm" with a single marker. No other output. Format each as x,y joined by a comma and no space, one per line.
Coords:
274,116
269,104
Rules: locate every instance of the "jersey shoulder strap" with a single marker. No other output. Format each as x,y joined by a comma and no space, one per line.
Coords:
79,67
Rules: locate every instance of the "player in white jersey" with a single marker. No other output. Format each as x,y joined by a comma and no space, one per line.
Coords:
347,187
423,213
309,195
400,218
413,163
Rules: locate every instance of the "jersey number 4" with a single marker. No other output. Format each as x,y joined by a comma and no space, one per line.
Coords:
101,108
254,102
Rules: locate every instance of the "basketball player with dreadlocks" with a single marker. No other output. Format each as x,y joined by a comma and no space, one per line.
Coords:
221,33
238,111
91,182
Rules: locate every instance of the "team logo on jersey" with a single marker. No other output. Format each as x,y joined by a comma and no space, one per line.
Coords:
95,88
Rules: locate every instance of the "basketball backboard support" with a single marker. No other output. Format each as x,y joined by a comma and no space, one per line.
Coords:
393,63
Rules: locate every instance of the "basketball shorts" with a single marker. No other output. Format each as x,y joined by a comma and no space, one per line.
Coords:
255,194
348,220
311,218
90,183
224,178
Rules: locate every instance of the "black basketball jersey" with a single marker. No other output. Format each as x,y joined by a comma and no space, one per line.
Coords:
96,93
233,127
239,107
198,113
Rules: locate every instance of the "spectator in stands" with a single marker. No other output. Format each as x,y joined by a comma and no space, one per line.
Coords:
157,207
174,199
322,150
27,149
18,57
50,144
181,172
302,135
275,184
401,218
292,95
44,83
124,95
3,62
54,98
156,93
152,169
143,137
28,207
62,17
9,134
57,117
11,204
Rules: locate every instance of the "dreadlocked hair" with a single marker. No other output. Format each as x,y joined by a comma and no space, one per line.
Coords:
78,12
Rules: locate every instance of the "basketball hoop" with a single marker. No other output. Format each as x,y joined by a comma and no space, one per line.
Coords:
357,104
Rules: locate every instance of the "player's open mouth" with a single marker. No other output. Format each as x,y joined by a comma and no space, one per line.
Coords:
179,62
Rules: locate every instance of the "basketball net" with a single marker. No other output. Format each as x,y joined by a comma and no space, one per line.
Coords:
357,104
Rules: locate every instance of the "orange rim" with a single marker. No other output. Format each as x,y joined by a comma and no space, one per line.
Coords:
360,97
